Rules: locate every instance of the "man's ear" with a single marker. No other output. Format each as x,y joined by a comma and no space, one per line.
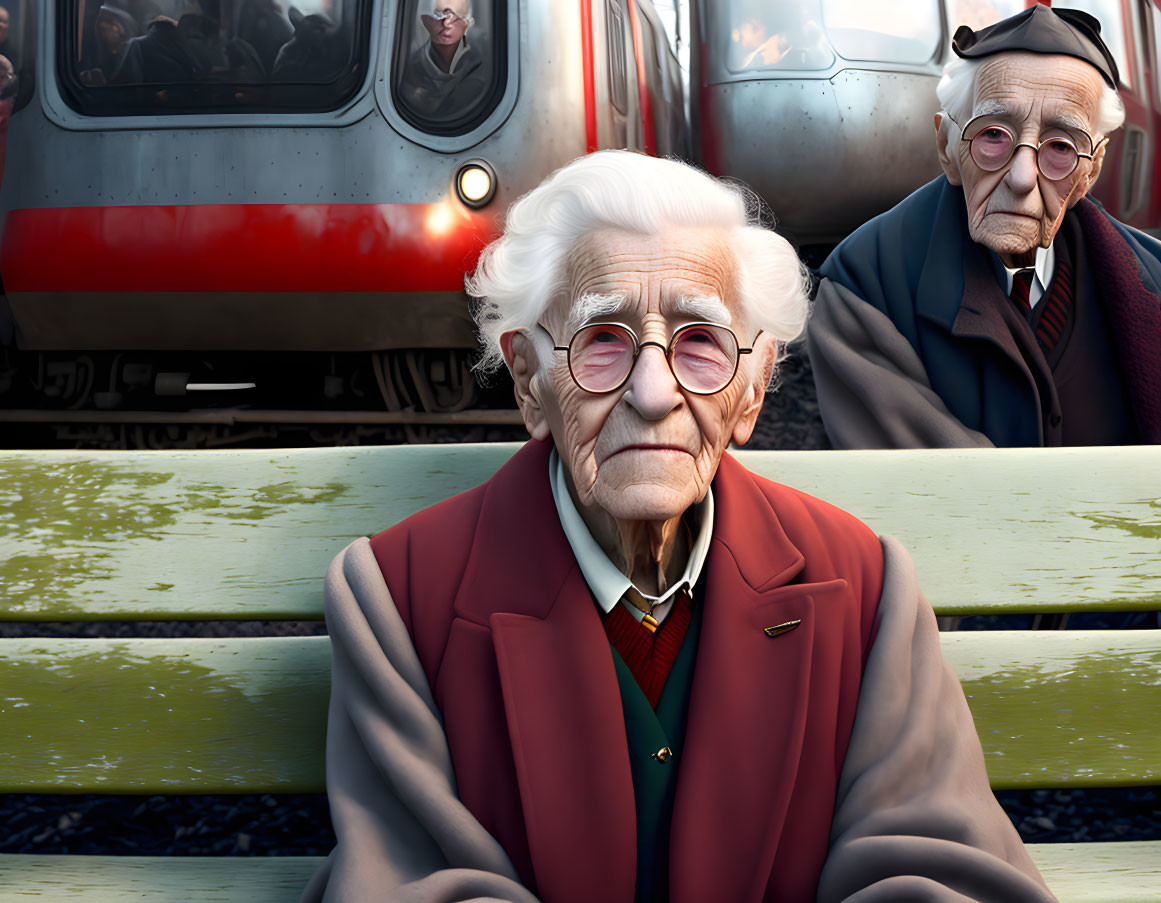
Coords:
948,162
1094,171
522,363
755,391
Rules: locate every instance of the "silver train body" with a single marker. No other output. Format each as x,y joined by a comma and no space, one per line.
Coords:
828,141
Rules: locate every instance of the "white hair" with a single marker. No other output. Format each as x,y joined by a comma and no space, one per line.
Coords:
957,89
522,271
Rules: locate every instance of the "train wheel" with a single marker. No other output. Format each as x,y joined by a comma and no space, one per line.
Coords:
431,381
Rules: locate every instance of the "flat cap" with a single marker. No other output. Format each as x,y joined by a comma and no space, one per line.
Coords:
1041,30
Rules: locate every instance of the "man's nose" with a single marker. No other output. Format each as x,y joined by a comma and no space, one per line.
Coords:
1023,174
653,391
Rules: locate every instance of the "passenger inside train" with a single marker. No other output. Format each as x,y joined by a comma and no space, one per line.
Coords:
175,42
114,28
444,75
316,51
8,46
783,36
998,305
7,78
192,48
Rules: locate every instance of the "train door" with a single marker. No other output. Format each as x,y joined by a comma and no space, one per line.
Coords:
662,105
619,106
1124,185
1150,29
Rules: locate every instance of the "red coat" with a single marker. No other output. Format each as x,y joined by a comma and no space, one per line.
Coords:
514,651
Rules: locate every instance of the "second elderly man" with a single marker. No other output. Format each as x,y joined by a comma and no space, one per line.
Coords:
998,305
625,668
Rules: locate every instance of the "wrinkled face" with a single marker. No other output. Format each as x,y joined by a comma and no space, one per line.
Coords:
451,28
650,449
1038,97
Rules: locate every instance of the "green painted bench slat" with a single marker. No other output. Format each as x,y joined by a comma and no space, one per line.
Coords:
247,715
172,879
248,534
1077,873
164,716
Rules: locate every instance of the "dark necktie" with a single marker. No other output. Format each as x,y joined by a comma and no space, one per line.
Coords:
1022,290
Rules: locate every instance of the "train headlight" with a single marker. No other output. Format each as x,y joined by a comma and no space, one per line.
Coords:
476,183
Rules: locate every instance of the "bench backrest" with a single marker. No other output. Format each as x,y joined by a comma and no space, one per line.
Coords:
248,534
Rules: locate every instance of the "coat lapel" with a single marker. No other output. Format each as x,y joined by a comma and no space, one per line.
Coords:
561,699
748,703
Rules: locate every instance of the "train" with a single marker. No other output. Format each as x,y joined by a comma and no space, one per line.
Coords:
219,213
270,228
825,107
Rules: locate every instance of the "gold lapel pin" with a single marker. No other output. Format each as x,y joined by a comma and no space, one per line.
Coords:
663,755
779,629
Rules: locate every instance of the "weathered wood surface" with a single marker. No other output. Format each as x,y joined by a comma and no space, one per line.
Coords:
163,879
164,716
248,534
1053,709
206,534
1077,873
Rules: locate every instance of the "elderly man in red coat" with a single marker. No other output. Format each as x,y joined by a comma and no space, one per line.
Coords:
625,668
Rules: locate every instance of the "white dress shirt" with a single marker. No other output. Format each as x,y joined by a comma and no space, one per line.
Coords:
605,580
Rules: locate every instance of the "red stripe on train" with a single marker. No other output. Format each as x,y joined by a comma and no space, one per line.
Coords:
244,247
589,77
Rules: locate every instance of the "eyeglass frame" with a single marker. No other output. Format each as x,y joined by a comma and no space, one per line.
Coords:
1080,155
441,15
665,349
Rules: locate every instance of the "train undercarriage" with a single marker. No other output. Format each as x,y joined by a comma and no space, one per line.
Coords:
147,399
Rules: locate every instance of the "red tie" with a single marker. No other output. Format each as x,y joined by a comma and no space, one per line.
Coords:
1022,289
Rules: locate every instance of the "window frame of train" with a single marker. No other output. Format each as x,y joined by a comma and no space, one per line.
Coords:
216,99
719,24
448,134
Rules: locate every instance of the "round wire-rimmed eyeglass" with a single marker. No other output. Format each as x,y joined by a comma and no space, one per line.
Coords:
702,356
994,144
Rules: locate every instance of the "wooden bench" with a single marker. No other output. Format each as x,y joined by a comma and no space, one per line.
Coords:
248,534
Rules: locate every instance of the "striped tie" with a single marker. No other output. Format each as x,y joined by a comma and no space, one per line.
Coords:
1021,290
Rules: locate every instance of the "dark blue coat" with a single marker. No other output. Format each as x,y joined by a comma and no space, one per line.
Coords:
914,264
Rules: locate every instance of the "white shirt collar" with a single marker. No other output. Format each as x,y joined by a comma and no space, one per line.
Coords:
1044,268
604,578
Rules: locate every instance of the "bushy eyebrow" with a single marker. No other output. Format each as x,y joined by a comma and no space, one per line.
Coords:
595,304
1063,119
707,307
991,108
1066,120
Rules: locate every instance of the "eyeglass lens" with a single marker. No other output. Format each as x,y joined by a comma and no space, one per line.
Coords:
703,357
993,146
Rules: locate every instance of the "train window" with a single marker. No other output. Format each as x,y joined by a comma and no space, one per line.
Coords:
1108,13
777,36
121,57
450,65
904,31
977,14
618,74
